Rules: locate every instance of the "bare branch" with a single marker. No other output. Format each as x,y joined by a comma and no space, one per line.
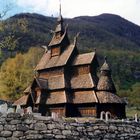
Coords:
6,9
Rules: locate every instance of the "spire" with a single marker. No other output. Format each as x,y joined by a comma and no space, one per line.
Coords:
105,66
60,19
59,36
105,81
60,7
59,27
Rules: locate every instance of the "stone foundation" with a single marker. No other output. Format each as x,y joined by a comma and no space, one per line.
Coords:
28,127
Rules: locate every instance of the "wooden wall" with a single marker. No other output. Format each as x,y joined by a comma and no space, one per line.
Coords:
87,111
59,110
81,110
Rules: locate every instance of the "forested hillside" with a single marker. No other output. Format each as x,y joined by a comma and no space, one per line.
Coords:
111,35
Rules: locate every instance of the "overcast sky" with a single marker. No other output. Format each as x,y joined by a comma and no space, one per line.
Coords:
129,9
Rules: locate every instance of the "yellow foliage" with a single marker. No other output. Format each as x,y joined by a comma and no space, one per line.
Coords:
17,73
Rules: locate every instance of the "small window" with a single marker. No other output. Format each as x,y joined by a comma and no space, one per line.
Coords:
55,51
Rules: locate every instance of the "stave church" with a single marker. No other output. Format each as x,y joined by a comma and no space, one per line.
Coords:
67,83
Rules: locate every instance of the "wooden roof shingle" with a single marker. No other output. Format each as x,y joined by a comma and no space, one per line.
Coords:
108,97
106,84
56,97
84,97
21,101
85,58
82,81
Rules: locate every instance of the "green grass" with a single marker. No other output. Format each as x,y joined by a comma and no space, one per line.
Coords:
131,111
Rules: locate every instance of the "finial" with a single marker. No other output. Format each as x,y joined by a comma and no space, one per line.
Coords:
60,19
75,38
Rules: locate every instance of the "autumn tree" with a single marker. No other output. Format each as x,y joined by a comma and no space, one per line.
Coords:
17,73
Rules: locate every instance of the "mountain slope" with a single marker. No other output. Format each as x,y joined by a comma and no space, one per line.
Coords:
102,31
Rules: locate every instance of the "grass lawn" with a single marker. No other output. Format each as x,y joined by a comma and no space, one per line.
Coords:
131,111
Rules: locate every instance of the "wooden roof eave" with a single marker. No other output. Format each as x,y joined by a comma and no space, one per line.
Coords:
105,97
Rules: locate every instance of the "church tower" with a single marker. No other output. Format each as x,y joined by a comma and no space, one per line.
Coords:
60,39
105,81
108,99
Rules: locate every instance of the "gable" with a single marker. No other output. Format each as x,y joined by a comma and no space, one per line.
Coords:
49,62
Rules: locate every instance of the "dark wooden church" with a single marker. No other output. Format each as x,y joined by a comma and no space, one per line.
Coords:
67,83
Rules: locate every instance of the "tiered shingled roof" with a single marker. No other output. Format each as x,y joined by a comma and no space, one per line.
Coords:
82,59
107,97
79,97
83,81
57,97
48,62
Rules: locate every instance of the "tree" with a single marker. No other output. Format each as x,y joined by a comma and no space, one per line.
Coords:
5,10
11,35
17,73
3,13
10,43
